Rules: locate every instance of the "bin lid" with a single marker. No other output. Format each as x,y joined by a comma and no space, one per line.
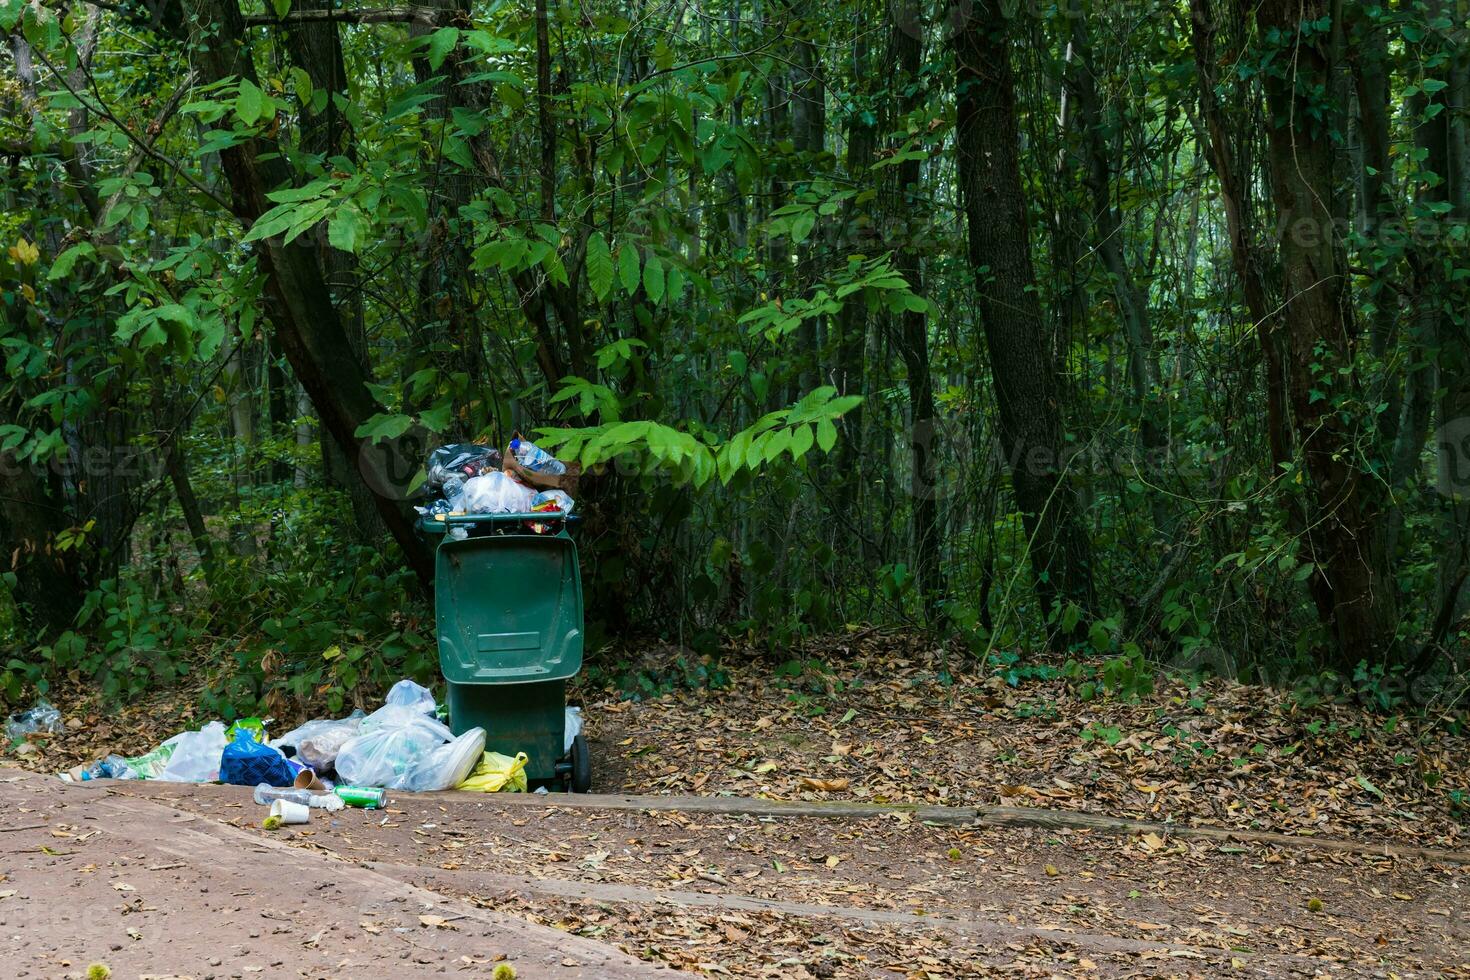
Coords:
508,609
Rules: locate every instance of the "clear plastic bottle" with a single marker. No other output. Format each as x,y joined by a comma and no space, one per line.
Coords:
533,457
454,494
265,793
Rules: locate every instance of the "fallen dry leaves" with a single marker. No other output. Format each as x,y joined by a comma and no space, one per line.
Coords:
879,724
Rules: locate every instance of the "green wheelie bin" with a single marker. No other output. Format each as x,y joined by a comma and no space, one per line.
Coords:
508,613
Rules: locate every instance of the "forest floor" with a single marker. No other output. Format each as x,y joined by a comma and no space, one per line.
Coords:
724,893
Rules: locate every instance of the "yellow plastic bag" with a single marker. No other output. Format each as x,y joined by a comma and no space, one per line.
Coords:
498,773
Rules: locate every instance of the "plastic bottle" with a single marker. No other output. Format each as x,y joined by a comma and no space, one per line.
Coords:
265,793
533,457
112,767
454,494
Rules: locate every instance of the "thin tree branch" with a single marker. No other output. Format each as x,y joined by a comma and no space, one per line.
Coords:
427,16
146,146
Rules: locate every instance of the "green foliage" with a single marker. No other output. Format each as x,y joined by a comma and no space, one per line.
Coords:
723,315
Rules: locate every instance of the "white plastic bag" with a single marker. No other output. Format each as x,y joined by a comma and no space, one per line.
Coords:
573,728
318,741
496,493
448,765
389,747
411,695
196,755
393,716
386,757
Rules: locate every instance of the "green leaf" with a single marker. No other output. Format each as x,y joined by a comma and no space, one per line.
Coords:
653,279
281,7
250,103
382,426
801,226
441,42
674,283
68,259
801,441
1363,782
436,419
826,435
599,265
343,229
628,267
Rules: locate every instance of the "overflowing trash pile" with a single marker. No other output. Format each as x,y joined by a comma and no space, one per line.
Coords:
474,479
326,763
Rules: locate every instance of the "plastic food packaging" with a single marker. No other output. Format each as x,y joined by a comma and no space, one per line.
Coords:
448,765
196,755
318,741
548,500
496,493
245,762
412,695
533,457
497,773
251,724
150,765
39,717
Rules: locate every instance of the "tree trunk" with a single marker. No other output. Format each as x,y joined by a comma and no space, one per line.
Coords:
1345,536
906,37
48,585
316,48
299,300
1025,377
1143,364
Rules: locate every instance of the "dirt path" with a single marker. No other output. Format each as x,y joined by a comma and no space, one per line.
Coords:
148,889
726,894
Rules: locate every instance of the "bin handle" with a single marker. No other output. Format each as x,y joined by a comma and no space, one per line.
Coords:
546,516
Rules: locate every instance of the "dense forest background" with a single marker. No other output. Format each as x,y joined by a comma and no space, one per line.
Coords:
1135,329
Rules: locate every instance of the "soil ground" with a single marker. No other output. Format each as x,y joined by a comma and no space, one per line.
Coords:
168,880
164,879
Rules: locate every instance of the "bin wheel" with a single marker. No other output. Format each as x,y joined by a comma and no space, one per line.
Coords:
581,765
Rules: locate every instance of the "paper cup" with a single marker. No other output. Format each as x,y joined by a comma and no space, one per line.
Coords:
306,779
290,812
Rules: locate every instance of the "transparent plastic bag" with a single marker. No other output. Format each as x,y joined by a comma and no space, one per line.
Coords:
390,745
460,461
427,728
196,755
496,493
386,758
447,766
39,717
318,741
412,695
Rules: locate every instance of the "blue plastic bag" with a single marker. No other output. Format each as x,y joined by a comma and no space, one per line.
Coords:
246,762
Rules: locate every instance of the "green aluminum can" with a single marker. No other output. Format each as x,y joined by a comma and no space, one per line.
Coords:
366,797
